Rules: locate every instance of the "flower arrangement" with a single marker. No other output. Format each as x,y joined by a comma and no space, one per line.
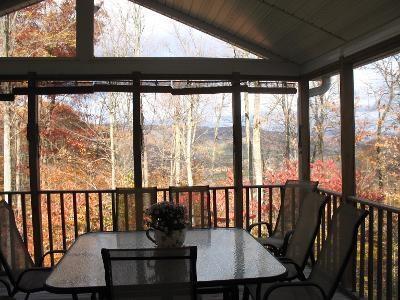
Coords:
166,216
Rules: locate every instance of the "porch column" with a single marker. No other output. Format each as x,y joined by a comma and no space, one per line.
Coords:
303,117
34,173
84,29
347,130
237,151
137,131
347,148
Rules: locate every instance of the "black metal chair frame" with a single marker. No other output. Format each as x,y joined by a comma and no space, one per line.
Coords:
272,230
8,270
105,253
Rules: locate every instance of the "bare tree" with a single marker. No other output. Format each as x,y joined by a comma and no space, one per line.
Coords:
385,96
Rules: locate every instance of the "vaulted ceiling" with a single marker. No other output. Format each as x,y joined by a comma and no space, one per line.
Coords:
301,31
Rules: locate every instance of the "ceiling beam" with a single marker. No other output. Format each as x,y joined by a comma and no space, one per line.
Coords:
8,6
207,28
152,68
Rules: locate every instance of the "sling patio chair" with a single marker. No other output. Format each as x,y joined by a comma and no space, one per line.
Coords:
304,234
21,272
155,273
197,201
330,265
293,194
129,206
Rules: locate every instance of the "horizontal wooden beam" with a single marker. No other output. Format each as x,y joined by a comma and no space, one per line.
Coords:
150,68
7,97
118,88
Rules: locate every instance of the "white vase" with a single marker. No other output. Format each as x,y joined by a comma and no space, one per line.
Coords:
173,239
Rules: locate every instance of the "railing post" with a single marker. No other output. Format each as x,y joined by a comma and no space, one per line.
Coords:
237,150
137,131
34,173
303,108
347,148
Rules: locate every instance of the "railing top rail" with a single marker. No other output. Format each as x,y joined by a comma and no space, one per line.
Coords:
113,190
375,204
330,192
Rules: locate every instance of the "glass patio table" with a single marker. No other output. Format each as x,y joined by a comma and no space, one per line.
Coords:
225,256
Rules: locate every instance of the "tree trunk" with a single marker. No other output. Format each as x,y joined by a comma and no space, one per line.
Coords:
216,129
249,144
145,167
189,128
257,156
7,147
178,139
18,154
112,141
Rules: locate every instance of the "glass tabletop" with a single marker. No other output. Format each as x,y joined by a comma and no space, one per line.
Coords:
224,256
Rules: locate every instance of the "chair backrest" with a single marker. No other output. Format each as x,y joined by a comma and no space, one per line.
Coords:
306,228
129,206
293,194
157,272
337,247
196,199
14,255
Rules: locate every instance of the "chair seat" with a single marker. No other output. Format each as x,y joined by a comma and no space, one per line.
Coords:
283,293
34,280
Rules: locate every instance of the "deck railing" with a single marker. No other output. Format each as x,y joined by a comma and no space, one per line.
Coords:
375,265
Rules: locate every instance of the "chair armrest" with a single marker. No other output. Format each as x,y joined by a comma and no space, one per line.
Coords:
31,270
269,227
288,261
294,285
48,253
286,240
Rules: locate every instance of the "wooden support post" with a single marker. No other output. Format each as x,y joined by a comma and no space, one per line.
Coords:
347,129
34,173
84,29
303,119
137,131
237,151
347,147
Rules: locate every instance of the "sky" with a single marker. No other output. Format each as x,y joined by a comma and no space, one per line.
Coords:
160,34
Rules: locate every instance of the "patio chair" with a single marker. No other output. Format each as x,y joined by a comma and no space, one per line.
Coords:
155,273
129,206
303,237
197,201
331,263
15,259
293,194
